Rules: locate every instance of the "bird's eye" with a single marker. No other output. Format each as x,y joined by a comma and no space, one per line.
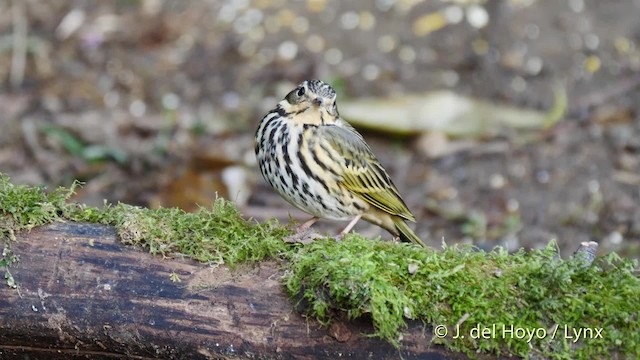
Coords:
295,96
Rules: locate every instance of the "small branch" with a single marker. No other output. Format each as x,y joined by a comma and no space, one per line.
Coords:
19,55
602,95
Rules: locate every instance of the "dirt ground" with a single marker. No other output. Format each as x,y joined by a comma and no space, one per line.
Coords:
156,103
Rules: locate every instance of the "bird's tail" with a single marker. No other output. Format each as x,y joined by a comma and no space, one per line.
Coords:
406,234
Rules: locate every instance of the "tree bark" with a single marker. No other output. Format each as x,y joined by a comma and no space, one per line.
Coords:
83,295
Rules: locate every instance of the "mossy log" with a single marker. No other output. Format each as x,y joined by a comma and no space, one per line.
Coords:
82,294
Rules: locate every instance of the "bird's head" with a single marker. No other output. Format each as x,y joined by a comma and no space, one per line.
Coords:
311,102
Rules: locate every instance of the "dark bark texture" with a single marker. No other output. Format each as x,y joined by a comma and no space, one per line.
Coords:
83,295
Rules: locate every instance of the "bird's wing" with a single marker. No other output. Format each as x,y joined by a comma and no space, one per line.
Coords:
362,173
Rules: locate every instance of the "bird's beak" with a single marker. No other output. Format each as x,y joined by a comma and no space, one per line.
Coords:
318,101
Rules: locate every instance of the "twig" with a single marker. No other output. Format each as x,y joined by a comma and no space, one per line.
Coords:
19,55
601,96
627,177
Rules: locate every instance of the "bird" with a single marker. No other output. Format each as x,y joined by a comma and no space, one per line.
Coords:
322,165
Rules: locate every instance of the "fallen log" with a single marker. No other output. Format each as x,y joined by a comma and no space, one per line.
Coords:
83,295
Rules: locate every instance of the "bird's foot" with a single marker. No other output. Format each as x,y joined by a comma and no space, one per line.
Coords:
306,225
339,236
303,237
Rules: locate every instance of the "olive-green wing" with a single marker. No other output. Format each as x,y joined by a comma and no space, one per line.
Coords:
362,173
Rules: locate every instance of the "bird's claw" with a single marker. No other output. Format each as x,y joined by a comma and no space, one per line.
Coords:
339,237
303,237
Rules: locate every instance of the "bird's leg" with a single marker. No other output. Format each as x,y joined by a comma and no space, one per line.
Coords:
348,228
307,224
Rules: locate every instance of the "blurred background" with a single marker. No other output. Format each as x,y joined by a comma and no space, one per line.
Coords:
155,103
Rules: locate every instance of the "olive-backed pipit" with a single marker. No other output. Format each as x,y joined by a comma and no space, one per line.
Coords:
322,165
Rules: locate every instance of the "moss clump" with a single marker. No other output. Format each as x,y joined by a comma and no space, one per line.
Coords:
527,290
390,282
218,235
25,207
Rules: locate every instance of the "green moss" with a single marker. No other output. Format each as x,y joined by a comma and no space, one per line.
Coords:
527,290
390,282
25,207
216,235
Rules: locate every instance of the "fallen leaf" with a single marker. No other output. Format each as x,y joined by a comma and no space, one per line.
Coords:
449,113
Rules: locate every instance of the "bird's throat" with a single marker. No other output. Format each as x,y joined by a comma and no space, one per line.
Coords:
312,116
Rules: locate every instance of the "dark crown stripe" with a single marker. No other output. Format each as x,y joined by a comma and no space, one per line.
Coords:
320,88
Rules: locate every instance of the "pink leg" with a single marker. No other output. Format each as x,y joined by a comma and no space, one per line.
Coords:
307,224
348,227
